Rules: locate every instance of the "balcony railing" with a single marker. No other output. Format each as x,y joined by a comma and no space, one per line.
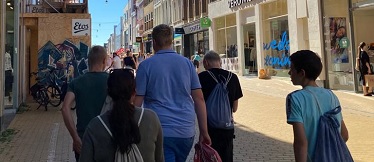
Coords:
56,6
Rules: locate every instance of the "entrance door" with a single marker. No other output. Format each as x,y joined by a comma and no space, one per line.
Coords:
363,16
250,54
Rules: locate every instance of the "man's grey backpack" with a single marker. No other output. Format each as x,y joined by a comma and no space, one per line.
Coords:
330,145
218,104
134,154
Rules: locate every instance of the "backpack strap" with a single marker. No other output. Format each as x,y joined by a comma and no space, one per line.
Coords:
315,98
106,127
212,75
108,130
228,78
141,116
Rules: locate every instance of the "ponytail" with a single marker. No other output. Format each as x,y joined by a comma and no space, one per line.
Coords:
121,87
123,125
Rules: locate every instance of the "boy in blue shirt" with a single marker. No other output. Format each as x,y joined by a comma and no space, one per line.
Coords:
301,107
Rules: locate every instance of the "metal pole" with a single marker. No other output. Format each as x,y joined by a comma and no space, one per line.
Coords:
16,56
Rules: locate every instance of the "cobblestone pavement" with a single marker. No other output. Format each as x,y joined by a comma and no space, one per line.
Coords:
261,130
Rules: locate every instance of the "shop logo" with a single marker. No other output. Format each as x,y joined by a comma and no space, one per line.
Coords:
234,3
282,45
205,22
81,27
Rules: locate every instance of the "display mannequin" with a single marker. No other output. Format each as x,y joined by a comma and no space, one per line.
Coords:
8,75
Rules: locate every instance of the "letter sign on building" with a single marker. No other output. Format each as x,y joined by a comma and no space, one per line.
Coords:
81,27
234,3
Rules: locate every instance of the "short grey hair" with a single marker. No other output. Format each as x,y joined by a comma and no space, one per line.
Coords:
212,56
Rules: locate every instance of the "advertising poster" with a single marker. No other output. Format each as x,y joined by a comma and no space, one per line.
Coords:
339,40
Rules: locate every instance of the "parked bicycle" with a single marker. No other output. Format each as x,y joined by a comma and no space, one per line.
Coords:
46,90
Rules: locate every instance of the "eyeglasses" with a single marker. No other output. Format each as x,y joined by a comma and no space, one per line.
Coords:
122,70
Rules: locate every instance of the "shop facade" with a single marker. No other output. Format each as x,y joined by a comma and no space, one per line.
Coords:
11,67
147,42
256,35
347,23
195,39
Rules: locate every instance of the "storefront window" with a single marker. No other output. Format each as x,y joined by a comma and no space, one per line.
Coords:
8,59
337,44
226,41
363,16
250,52
276,41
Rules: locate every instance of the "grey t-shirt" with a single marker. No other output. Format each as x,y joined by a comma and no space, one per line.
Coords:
97,144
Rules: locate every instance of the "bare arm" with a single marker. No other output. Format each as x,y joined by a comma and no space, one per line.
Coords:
368,65
300,144
344,131
235,106
69,122
138,101
200,109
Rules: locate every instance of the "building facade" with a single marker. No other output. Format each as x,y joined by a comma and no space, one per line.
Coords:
9,60
196,36
148,26
178,18
256,35
126,27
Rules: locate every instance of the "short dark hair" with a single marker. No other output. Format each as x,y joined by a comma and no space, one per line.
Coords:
163,35
308,61
96,55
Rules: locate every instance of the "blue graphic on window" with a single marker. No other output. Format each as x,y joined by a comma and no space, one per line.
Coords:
282,45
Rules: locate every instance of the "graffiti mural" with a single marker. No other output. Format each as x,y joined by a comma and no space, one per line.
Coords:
69,60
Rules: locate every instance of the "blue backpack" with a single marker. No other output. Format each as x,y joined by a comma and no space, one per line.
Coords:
218,104
330,145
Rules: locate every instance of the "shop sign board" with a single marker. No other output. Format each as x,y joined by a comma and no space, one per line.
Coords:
192,28
234,3
37,9
179,31
205,22
81,27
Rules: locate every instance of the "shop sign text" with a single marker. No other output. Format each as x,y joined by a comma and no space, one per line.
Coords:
81,27
282,45
234,3
195,27
38,9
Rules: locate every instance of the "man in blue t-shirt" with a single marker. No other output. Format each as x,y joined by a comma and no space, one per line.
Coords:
168,84
301,106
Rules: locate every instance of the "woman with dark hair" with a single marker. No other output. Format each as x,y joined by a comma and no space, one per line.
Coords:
363,66
122,121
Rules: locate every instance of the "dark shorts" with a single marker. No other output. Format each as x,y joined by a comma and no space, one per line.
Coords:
196,63
222,142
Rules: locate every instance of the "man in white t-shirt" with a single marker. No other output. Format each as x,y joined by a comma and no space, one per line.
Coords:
116,61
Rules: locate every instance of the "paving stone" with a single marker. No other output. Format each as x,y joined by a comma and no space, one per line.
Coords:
262,133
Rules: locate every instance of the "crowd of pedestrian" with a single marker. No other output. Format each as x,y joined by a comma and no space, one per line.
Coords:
151,116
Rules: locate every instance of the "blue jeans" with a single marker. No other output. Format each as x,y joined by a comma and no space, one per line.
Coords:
177,149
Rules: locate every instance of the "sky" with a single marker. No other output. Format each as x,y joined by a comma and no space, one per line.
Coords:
104,16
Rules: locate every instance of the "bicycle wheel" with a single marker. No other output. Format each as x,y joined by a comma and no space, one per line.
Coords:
54,94
43,98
